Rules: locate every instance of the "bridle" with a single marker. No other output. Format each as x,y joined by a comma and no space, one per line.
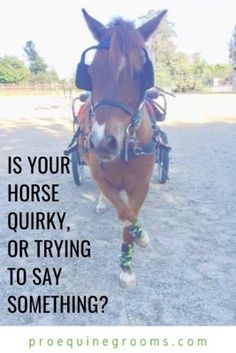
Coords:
135,116
131,147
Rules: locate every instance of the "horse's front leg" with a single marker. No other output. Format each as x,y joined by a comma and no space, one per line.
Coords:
101,205
129,214
132,233
125,213
136,200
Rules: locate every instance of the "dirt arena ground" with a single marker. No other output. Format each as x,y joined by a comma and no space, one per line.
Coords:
187,275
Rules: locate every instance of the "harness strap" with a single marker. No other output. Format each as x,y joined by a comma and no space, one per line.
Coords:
114,104
136,117
143,150
73,144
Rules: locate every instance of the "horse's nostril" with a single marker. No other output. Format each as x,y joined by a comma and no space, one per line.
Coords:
111,142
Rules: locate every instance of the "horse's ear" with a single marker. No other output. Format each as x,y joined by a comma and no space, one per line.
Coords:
149,27
95,26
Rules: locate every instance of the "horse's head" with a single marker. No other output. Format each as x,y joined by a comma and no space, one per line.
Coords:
118,76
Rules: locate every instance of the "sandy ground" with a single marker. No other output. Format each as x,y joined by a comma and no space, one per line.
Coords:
187,275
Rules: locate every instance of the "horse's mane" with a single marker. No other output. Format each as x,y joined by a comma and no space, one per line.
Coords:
125,44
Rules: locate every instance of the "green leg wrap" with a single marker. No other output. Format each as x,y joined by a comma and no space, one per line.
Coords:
136,230
127,251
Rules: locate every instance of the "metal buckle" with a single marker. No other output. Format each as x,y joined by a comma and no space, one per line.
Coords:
138,151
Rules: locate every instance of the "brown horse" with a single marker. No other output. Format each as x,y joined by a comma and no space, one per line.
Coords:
117,139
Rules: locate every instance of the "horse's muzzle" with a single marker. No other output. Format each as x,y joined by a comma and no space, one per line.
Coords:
105,149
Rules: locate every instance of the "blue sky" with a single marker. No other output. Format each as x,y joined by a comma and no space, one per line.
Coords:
58,30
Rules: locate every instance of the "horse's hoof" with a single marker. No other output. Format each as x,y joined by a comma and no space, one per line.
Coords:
127,279
101,208
142,241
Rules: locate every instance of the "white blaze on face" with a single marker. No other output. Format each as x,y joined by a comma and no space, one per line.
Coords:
99,131
121,66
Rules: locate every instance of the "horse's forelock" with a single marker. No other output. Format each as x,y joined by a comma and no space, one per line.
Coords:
125,44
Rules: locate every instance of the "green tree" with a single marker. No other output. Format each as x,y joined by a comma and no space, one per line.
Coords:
222,71
181,73
201,71
36,62
45,77
13,70
232,48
